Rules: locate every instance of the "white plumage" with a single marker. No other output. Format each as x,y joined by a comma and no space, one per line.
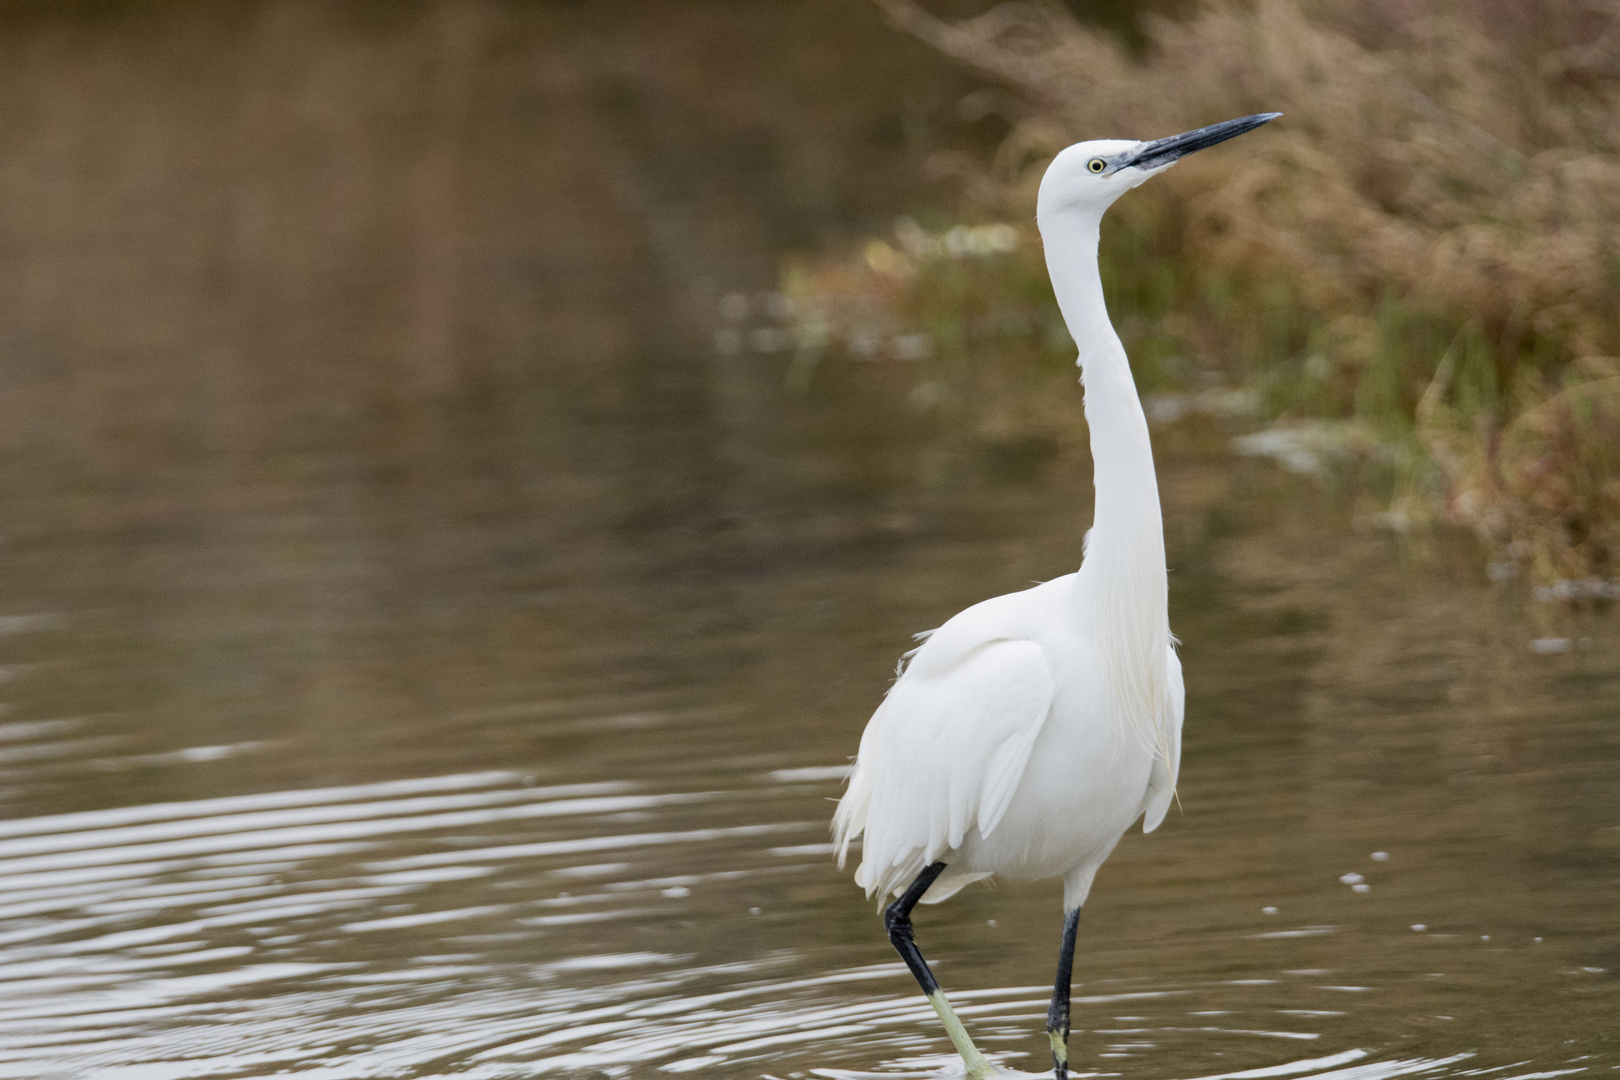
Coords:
1003,749
1025,735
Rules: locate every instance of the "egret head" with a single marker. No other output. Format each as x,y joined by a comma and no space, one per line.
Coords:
1087,177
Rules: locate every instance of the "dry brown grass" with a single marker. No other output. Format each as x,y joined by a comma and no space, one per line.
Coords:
1427,243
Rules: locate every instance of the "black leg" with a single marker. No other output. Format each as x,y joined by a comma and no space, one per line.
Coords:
897,920
1057,1017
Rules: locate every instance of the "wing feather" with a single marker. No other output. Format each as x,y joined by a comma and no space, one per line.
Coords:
942,755
1161,787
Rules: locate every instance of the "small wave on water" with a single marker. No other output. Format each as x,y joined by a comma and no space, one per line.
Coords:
481,925
1349,1065
369,928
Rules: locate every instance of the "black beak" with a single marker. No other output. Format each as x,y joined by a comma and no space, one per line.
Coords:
1163,151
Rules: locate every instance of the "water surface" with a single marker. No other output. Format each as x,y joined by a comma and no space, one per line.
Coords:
424,654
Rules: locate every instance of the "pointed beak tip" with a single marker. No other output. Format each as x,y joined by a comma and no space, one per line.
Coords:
1167,151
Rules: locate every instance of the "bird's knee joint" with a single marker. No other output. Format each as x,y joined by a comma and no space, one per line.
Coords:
897,924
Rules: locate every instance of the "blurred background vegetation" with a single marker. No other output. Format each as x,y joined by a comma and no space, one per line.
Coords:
1407,285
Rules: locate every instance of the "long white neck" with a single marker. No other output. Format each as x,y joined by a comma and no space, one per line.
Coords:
1121,592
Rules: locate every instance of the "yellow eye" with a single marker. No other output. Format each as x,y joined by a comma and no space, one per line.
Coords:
1097,165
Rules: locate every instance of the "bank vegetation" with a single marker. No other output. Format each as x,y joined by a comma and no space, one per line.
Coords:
1414,275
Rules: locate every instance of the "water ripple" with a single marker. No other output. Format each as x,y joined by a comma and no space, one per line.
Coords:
465,925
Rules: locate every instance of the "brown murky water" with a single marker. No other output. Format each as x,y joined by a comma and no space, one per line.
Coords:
424,655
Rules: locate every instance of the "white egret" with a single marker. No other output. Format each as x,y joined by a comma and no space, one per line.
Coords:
1026,734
